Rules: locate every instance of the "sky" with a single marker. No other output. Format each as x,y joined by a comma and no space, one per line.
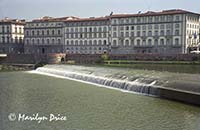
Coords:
32,9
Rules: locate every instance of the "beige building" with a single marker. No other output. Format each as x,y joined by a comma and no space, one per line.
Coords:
87,35
45,35
168,32
11,35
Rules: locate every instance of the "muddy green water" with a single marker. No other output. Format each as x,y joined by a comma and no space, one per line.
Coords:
87,107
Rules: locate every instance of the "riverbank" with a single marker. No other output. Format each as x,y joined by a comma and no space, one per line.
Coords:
192,67
15,67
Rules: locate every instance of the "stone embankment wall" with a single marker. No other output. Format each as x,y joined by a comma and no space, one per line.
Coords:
95,58
32,58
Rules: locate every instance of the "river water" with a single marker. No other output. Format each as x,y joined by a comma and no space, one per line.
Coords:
86,106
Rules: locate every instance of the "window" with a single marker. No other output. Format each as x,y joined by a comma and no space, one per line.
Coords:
132,27
150,33
90,42
33,33
156,42
177,25
156,33
156,26
90,30
15,29
3,29
59,41
168,32
138,33
27,33
38,41
53,32
144,33
47,41
138,27
33,41
53,41
176,32
162,26
114,34
58,32
127,28
132,34
162,42
127,43
149,42
104,42
176,41
150,27
95,42
38,33
144,27
162,33
42,32
138,42
99,42
3,39
114,42
8,39
127,34
20,30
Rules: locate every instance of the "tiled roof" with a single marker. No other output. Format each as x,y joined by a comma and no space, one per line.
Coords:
51,19
151,13
14,21
89,19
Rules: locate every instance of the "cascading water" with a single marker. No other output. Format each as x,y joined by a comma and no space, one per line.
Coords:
118,81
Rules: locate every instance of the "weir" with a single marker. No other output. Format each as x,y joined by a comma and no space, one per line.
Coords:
117,80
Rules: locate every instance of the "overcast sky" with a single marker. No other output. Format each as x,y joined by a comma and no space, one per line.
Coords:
31,9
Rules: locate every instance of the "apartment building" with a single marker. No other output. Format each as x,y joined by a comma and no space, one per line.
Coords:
166,32
87,35
45,35
11,35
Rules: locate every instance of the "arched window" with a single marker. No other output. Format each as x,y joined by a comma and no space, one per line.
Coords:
72,42
33,41
127,43
43,42
90,42
76,42
95,42
81,42
38,41
104,42
99,42
47,41
85,42
53,41
138,42
149,42
114,42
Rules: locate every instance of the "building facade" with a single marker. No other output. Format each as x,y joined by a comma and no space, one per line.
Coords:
11,36
165,32
45,35
87,36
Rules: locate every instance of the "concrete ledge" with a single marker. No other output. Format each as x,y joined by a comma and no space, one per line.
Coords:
180,95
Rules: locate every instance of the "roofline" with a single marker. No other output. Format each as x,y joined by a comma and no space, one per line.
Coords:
151,13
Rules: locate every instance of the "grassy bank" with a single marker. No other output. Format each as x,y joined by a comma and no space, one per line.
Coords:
170,66
8,68
151,62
